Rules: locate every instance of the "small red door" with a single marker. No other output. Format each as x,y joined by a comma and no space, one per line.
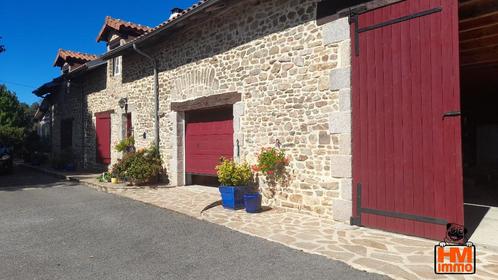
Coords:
103,137
407,163
209,136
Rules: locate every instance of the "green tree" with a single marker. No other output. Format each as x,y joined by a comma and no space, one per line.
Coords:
12,112
16,118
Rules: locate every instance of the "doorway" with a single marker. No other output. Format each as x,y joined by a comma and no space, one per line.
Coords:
406,129
478,30
208,137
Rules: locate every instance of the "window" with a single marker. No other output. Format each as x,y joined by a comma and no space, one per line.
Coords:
116,66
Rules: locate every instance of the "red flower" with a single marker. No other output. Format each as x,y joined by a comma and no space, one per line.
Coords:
270,172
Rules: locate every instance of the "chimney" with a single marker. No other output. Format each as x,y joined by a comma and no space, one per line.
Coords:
175,12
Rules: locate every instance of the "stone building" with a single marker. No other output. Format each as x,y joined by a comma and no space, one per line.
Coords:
267,62
228,77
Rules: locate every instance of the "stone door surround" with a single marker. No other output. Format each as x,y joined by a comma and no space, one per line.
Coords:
177,118
205,102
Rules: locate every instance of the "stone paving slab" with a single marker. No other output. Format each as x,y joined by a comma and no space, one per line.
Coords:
398,256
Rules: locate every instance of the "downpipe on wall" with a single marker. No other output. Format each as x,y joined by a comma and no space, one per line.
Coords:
156,93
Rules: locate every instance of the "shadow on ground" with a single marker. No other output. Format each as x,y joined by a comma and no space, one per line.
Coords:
474,214
23,178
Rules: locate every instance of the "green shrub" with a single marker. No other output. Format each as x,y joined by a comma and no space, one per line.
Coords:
231,173
12,136
126,145
105,177
143,166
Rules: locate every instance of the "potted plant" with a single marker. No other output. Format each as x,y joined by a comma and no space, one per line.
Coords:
127,145
105,177
252,202
234,179
272,164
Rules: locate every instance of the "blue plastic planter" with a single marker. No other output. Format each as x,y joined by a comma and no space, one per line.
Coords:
232,197
252,202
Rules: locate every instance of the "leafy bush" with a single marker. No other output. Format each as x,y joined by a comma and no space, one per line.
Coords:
126,145
139,167
231,173
12,136
105,177
271,161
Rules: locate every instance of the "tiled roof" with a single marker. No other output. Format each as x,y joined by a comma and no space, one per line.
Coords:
120,25
64,55
180,14
197,6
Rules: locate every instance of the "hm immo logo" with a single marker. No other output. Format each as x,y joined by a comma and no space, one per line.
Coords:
455,255
455,259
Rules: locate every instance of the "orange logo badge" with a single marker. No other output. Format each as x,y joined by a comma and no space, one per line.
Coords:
455,259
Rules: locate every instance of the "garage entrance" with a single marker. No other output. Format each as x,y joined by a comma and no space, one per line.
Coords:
479,90
208,137
407,161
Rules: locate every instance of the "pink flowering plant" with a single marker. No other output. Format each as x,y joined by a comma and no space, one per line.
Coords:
272,163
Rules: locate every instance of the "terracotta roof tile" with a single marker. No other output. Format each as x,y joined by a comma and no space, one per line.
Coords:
163,25
179,15
63,55
120,25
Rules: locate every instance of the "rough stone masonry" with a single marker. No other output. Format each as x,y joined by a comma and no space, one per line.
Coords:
293,77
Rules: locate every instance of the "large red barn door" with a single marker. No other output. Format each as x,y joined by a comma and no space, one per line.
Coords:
103,137
407,163
209,136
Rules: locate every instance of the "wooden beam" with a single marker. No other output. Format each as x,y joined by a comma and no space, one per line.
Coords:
479,63
485,55
476,22
478,49
479,33
475,8
479,42
205,102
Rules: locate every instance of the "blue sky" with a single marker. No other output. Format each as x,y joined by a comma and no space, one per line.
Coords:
33,31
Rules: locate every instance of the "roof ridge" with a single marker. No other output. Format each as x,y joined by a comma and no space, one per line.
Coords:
117,24
127,21
63,54
170,20
77,52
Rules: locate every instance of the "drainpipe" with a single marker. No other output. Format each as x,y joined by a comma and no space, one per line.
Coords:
156,93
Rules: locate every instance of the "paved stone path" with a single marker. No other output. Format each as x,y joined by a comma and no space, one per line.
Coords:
398,256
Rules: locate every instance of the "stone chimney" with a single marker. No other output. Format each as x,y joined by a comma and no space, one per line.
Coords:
175,12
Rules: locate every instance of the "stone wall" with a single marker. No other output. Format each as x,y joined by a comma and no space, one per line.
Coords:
294,79
79,100
102,94
68,107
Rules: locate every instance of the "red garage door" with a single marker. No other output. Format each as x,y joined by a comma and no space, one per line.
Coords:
209,136
407,165
103,137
